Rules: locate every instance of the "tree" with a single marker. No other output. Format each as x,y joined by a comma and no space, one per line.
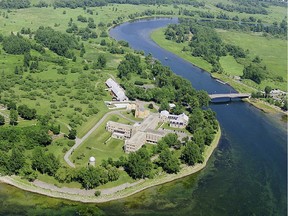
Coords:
13,117
44,163
72,134
2,120
191,154
26,113
27,59
139,164
171,139
11,106
101,62
168,161
267,90
16,160
15,44
28,173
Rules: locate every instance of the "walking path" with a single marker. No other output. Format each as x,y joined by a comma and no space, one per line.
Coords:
83,192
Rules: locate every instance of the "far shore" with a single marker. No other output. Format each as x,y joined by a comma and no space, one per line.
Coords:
261,105
140,186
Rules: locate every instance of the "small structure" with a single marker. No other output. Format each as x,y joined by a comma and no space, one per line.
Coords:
116,89
92,161
172,105
176,121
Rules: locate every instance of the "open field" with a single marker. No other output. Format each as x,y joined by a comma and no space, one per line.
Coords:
273,51
100,145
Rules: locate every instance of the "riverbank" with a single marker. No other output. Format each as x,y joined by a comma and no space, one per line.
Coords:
158,37
80,195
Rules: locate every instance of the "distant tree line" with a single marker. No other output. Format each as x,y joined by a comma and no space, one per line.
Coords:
99,3
14,4
243,9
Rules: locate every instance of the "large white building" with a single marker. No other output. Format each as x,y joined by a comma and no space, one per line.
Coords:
116,90
176,121
145,132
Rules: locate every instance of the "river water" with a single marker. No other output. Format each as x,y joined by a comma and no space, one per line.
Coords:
246,175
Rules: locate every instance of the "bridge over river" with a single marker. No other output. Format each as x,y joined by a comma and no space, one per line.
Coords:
230,95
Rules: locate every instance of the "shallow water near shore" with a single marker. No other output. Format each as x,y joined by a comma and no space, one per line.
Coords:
246,175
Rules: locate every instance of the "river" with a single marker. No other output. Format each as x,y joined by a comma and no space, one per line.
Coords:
247,174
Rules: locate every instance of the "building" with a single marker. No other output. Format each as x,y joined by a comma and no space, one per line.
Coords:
119,130
145,132
176,121
116,89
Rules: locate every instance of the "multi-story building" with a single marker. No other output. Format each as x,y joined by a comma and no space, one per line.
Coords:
176,121
145,132
119,130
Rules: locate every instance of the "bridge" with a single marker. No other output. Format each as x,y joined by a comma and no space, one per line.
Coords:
230,95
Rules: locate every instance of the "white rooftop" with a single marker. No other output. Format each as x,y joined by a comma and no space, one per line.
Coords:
92,159
116,89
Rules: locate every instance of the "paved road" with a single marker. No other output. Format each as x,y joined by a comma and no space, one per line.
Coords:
79,141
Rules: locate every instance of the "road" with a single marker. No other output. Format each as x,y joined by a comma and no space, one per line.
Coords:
79,141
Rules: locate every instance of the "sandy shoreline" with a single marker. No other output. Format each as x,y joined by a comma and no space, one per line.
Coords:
128,191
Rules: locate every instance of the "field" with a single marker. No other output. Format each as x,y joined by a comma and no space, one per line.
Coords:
272,51
100,145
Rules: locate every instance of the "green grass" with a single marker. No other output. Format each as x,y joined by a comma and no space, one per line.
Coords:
123,178
230,66
100,145
166,126
272,51
51,180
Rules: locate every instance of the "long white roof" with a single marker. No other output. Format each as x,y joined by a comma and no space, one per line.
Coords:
116,89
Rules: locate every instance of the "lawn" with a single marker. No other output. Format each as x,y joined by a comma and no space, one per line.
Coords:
100,145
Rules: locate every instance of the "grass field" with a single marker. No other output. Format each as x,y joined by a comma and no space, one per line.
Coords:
273,51
231,66
100,145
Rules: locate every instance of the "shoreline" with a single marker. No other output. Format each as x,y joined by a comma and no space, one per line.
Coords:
261,105
16,181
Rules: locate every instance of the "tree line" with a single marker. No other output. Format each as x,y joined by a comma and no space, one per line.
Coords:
250,9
